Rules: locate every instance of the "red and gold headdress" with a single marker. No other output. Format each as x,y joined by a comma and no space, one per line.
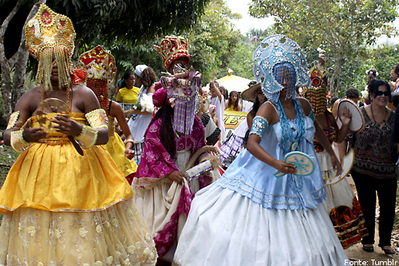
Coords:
47,34
101,68
98,63
172,48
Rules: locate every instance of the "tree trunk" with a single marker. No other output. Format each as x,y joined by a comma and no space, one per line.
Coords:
336,77
22,59
6,87
6,67
12,91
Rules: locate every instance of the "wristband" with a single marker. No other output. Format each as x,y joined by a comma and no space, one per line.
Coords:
17,141
87,138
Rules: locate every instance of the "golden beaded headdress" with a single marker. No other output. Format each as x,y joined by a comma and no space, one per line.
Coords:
317,92
47,34
171,48
101,68
98,63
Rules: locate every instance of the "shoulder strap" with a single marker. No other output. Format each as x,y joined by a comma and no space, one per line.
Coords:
275,109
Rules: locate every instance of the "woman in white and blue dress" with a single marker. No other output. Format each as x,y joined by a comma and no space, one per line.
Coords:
250,217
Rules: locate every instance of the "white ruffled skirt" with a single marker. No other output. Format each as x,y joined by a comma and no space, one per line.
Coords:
226,228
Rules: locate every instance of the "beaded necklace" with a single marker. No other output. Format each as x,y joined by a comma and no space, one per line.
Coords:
286,132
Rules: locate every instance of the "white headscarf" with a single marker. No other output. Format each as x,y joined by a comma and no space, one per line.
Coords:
139,69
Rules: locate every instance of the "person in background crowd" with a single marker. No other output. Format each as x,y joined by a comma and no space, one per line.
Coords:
212,114
205,93
64,200
395,77
372,74
217,99
392,85
223,91
395,133
394,101
138,123
128,93
374,168
233,103
353,95
101,68
212,132
333,106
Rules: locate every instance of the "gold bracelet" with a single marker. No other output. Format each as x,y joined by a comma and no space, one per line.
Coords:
130,140
13,120
87,138
17,141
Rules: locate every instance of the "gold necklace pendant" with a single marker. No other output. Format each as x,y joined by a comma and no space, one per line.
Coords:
382,123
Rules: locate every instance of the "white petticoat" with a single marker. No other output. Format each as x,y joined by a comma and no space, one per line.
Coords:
226,228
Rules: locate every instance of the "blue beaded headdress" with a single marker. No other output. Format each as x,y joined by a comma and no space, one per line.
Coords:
273,50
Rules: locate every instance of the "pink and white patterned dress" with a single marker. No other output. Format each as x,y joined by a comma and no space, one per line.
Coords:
165,204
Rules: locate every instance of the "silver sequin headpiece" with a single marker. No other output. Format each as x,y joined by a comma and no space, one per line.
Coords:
273,50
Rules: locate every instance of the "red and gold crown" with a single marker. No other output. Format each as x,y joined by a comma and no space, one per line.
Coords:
49,29
101,68
98,63
171,48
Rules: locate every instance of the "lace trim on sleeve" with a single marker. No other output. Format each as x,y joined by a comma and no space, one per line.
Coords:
259,126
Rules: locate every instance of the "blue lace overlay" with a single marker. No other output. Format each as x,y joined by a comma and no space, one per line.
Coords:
311,115
259,126
285,128
254,179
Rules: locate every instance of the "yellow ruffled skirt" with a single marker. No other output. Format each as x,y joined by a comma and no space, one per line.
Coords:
57,178
61,208
116,149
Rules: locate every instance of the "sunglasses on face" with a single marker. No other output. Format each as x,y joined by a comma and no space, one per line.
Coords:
379,93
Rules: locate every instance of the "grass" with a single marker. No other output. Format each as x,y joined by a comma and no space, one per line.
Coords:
7,159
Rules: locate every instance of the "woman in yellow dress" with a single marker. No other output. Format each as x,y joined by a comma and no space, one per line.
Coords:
64,200
128,93
101,68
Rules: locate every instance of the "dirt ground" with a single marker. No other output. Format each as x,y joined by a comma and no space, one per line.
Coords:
358,256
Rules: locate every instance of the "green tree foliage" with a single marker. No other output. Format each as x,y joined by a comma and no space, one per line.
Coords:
213,41
242,64
339,27
129,22
383,58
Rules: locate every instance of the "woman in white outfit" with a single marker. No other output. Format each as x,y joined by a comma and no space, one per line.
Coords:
138,123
